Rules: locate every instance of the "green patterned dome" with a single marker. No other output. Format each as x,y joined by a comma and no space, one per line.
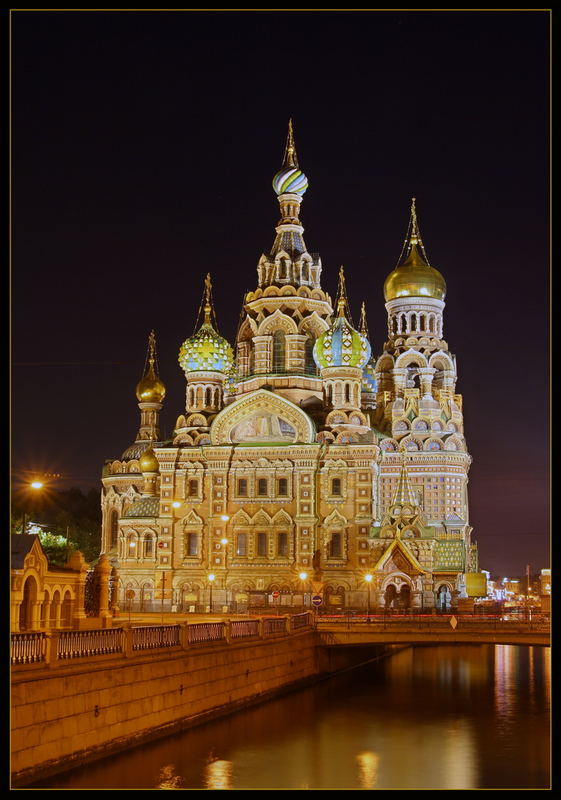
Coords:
206,351
341,346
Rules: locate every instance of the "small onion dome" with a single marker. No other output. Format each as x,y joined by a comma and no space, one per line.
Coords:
206,351
369,382
414,278
290,179
148,461
341,346
150,389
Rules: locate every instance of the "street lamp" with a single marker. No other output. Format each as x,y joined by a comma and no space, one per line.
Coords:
224,543
368,578
211,579
303,577
36,485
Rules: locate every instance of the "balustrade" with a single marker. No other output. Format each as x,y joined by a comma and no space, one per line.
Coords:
28,648
274,625
243,628
81,644
148,637
206,632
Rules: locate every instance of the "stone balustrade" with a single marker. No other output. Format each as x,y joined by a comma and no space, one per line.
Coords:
51,648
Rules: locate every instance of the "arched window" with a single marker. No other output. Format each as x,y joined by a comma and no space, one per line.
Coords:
241,544
193,488
131,547
278,351
335,546
148,547
310,365
208,397
192,543
113,528
336,486
283,487
262,487
242,487
305,271
347,393
282,544
261,544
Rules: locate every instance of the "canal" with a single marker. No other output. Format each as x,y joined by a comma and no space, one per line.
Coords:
438,717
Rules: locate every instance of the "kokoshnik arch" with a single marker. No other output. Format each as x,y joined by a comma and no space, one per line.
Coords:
302,453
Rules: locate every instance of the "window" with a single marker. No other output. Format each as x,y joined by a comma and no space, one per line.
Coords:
261,544
336,486
335,548
114,528
192,544
193,488
262,487
282,544
242,487
148,547
283,487
241,544
278,351
310,367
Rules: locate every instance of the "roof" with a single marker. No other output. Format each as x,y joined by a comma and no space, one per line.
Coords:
21,544
144,507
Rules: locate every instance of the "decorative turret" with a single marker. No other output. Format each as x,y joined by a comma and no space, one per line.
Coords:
369,383
341,353
206,358
150,469
150,392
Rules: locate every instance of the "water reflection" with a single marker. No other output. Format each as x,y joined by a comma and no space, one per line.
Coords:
218,774
446,717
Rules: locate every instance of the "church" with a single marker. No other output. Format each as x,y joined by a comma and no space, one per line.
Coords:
304,468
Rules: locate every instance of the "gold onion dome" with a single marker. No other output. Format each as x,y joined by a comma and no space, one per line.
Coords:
206,350
148,461
414,277
150,389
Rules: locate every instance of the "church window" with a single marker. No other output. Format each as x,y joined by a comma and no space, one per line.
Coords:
278,351
310,365
208,397
305,271
335,546
114,528
192,544
282,544
148,547
283,487
261,544
336,487
241,544
347,393
193,488
131,547
262,487
242,487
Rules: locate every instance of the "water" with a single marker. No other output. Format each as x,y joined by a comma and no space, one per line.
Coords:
442,717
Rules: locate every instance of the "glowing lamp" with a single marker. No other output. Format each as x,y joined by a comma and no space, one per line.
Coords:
36,485
303,576
211,577
368,577
176,504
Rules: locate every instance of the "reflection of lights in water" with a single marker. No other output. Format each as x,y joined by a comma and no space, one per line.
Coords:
218,775
459,757
368,769
505,683
167,779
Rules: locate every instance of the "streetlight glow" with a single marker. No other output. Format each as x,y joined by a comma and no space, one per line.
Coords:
368,577
224,517
36,485
303,576
176,504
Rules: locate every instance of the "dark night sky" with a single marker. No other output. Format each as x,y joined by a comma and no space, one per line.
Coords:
143,148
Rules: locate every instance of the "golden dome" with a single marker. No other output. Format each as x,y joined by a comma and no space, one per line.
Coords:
148,461
414,278
150,389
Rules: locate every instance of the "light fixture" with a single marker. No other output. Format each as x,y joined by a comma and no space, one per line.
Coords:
368,577
303,576
224,517
36,485
211,577
176,504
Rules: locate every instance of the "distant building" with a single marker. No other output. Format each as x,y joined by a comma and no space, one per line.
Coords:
302,462
545,581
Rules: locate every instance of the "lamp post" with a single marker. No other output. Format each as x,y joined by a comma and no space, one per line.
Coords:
211,579
368,578
303,577
36,485
224,542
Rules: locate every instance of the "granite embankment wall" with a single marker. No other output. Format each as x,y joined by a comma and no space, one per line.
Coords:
68,709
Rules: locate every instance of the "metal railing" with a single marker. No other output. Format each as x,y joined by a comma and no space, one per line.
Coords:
273,625
305,620
244,628
28,648
434,622
148,637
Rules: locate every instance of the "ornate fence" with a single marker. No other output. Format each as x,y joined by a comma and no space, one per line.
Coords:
55,646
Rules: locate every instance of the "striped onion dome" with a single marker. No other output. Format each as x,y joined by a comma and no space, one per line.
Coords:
290,179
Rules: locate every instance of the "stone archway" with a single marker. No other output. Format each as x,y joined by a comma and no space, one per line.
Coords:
390,596
443,598
27,607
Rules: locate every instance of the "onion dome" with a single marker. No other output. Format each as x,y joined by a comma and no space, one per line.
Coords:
290,177
150,388
148,461
414,277
206,350
341,345
369,382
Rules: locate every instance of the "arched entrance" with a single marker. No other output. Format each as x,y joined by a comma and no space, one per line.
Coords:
398,596
390,596
27,607
443,598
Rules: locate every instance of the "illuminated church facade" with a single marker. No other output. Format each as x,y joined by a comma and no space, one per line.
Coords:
303,468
